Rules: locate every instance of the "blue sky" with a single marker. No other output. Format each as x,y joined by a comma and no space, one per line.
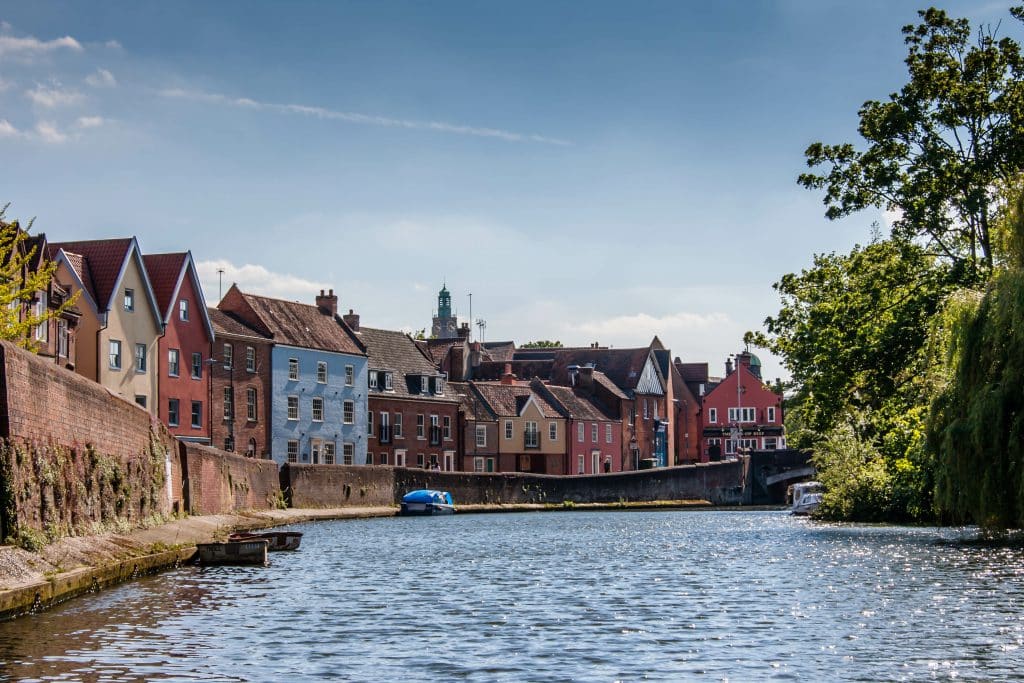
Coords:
589,171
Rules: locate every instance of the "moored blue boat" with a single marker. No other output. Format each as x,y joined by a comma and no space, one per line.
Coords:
427,502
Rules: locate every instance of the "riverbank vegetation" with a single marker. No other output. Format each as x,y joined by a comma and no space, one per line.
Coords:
907,354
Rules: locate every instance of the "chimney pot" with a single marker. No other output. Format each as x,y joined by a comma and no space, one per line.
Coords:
327,303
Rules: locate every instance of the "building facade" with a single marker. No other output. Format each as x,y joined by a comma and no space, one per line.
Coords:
240,386
413,415
479,429
183,382
741,413
318,371
593,436
117,343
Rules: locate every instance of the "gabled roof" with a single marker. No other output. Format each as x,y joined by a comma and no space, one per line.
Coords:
578,404
227,323
100,267
508,400
624,367
471,403
498,350
398,352
301,325
166,274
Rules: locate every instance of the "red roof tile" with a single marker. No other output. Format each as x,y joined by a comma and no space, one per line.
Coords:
164,270
105,259
506,400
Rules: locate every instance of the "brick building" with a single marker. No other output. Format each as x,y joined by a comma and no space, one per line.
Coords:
478,427
413,414
594,433
741,412
241,370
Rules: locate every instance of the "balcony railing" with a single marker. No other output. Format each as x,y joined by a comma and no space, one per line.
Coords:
531,438
384,433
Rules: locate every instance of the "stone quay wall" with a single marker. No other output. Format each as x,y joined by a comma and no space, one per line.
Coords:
314,486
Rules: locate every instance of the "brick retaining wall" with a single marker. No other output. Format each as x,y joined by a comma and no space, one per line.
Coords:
219,482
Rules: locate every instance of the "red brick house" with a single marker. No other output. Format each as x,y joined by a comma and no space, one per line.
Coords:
183,384
478,427
413,416
741,412
245,425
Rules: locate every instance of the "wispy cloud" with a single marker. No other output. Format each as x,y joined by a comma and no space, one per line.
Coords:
101,79
53,96
49,133
255,280
645,325
113,45
357,118
7,130
29,46
5,85
90,121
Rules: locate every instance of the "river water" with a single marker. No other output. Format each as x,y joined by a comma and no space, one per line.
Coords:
590,596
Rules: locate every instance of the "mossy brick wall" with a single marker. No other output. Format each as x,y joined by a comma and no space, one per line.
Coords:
331,486
219,482
74,457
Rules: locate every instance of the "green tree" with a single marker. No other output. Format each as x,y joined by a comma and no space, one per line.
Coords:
976,428
19,285
542,344
420,335
938,149
851,328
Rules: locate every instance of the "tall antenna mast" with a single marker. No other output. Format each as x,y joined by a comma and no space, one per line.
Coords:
471,316
482,324
220,284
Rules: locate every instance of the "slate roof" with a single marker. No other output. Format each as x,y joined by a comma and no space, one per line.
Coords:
602,379
624,367
164,270
579,405
104,260
522,369
227,323
397,352
303,325
506,400
498,351
437,349
469,403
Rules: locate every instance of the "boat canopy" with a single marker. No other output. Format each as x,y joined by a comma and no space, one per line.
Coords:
427,496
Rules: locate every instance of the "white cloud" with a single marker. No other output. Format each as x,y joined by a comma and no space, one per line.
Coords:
255,279
357,118
113,45
643,325
53,96
49,133
29,46
90,121
7,130
101,79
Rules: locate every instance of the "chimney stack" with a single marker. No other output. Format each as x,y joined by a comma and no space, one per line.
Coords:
587,378
464,331
351,319
328,304
508,377
728,366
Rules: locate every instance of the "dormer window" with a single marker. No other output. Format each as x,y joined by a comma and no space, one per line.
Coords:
388,382
373,379
424,384
439,386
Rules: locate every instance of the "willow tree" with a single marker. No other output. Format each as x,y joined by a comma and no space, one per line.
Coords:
977,423
937,150
22,277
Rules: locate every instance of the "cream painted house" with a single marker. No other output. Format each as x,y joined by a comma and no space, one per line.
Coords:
531,431
121,323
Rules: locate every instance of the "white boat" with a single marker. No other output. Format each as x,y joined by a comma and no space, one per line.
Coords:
806,497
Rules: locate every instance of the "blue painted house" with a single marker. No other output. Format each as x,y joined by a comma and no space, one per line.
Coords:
318,368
